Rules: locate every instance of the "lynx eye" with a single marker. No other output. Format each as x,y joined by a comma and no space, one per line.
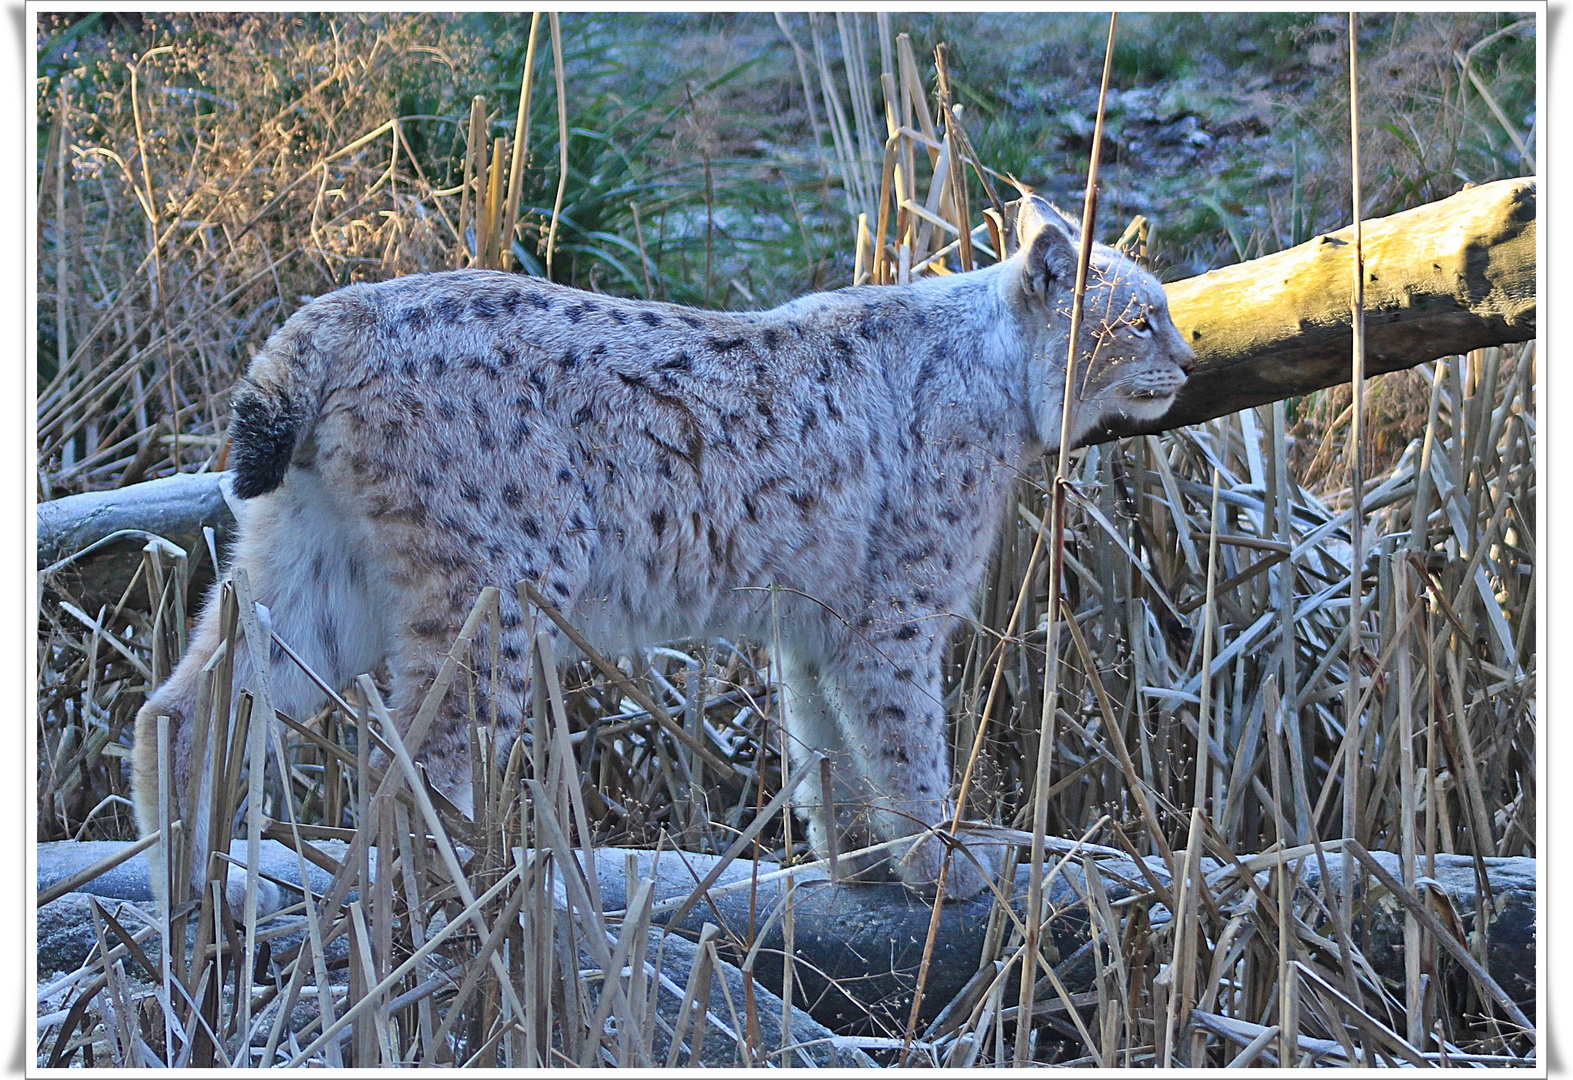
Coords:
1141,327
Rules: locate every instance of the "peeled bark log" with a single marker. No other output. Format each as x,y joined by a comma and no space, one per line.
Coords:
1441,279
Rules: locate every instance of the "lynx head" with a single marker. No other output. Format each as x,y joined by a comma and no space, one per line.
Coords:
1130,359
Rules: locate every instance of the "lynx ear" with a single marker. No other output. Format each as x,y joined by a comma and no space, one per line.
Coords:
1050,243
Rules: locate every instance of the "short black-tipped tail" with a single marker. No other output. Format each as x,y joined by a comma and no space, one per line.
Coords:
262,437
276,404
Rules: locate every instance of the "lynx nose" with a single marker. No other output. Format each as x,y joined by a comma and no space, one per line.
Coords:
1188,364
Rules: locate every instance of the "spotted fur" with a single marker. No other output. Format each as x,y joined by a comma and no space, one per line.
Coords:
655,471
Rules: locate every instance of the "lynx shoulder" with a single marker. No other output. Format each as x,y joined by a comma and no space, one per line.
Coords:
653,471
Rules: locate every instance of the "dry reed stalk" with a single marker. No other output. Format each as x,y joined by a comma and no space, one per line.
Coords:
521,144
1356,454
562,137
879,274
956,179
857,188
1040,786
474,141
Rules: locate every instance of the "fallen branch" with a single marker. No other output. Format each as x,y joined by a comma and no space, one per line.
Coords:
859,946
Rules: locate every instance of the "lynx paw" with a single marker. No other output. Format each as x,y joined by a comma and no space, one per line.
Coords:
973,866
269,898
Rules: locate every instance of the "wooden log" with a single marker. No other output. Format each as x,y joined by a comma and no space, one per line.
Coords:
91,544
1441,279
858,947
174,507
67,939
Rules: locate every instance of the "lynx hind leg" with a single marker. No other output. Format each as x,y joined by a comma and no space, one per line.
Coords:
491,688
811,726
317,593
180,699
888,691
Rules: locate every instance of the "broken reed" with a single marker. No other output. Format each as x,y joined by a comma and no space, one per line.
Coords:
1199,565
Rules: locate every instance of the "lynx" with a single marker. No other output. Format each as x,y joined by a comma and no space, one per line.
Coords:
654,471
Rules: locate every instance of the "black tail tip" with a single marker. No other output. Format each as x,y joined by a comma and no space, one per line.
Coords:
262,439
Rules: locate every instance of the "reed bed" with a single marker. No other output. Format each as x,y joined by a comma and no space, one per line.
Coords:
1201,679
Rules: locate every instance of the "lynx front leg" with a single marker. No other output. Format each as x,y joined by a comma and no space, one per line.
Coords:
888,692
811,726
